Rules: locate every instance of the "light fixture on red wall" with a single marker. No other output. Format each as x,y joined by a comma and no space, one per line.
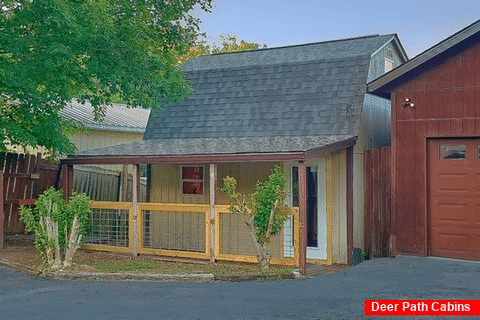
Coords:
409,103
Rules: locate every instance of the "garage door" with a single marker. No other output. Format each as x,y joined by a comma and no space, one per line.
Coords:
454,198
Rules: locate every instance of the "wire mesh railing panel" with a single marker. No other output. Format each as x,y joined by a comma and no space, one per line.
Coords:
176,231
289,238
108,227
235,238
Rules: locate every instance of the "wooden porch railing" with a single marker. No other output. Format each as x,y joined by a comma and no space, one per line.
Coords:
180,230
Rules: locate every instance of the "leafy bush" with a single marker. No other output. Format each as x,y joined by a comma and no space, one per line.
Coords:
58,226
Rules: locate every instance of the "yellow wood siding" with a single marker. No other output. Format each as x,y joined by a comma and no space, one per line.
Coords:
165,185
101,138
166,182
246,174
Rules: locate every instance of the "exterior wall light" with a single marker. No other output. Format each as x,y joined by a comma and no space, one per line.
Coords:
409,103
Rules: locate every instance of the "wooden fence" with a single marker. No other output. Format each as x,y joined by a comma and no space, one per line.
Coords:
105,184
22,179
377,221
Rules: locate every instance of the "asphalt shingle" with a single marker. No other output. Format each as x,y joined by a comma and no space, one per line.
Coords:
217,146
271,99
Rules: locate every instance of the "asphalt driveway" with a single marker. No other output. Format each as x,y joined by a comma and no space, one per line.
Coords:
334,296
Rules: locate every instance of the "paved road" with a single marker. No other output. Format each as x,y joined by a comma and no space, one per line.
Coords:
335,296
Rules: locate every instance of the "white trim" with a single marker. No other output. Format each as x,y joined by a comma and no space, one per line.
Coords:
320,252
288,245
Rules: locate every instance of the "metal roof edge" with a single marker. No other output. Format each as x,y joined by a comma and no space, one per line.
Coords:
423,57
107,127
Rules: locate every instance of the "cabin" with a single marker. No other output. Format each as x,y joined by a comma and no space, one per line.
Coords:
436,148
304,108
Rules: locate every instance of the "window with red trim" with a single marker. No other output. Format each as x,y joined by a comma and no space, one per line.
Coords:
192,180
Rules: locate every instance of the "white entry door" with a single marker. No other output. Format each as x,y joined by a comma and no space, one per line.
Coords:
316,207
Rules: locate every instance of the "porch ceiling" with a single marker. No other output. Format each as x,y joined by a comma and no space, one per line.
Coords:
215,149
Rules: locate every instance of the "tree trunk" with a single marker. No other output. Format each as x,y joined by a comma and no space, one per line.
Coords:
53,254
263,257
73,243
58,259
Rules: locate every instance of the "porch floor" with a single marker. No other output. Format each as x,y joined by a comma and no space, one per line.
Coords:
314,269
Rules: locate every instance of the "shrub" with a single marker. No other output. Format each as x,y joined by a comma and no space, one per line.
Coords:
58,226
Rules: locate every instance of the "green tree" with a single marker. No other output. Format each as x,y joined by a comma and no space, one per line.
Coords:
52,51
264,212
228,43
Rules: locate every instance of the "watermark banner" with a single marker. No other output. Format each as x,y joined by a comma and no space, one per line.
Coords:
456,308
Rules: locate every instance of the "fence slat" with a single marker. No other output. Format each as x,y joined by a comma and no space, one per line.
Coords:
22,180
377,202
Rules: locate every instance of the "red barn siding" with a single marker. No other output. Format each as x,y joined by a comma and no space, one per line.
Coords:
445,99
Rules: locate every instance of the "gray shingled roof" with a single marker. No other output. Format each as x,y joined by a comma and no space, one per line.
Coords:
117,117
270,100
319,51
218,146
273,92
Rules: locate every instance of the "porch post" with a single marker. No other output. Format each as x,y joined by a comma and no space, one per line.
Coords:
135,193
67,180
349,190
302,202
1,210
213,190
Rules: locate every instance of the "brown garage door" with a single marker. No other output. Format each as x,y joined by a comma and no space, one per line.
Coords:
454,198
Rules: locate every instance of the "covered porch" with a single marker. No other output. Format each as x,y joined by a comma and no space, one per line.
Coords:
184,213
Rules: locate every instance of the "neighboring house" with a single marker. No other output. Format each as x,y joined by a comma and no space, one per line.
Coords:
436,148
303,107
120,125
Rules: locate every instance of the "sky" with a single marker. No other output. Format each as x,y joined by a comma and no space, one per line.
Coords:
419,24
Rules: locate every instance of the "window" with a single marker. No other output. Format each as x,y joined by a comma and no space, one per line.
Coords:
453,152
192,180
389,52
388,65
295,186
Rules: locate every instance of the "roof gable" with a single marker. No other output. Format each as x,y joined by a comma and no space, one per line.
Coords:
426,60
307,90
